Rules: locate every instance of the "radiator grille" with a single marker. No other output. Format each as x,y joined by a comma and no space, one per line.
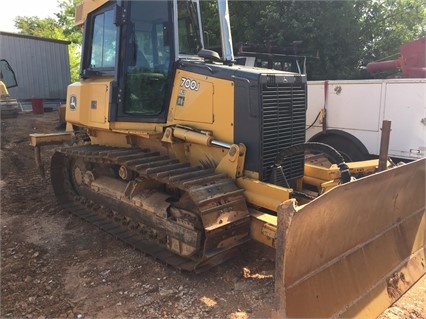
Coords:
284,118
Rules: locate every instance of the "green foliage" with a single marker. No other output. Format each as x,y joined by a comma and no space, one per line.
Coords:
327,29
59,28
210,20
339,36
388,24
245,26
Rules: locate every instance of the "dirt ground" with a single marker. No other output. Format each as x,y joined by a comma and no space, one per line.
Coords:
54,265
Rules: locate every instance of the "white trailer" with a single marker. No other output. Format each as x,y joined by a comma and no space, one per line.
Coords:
348,115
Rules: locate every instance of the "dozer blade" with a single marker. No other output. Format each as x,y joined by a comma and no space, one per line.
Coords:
355,250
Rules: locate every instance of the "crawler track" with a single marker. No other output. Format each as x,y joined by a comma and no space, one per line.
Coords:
220,219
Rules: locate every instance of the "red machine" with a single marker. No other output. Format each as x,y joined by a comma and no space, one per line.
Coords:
412,61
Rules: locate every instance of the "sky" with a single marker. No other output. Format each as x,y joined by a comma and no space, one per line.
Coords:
25,8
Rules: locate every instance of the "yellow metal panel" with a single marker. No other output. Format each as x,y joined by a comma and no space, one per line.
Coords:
84,8
88,103
137,128
263,194
263,227
332,172
194,102
203,102
207,156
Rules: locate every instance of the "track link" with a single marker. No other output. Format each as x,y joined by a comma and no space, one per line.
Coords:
214,198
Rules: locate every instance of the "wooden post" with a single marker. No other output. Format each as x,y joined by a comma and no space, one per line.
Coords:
384,145
39,162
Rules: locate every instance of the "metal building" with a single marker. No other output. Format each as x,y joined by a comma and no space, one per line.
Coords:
41,66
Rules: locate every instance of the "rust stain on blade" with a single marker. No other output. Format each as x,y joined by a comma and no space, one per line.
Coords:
337,255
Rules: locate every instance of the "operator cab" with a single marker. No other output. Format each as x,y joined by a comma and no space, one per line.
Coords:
136,43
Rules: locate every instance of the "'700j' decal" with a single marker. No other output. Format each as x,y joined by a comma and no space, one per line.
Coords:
190,84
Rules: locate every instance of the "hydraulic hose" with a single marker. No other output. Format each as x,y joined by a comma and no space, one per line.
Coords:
332,154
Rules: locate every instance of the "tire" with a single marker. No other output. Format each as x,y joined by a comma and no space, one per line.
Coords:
349,150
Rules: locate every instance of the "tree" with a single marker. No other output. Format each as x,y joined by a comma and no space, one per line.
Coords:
246,22
388,24
60,28
211,26
345,35
328,29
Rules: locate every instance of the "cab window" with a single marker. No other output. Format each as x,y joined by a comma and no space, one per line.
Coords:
103,46
148,68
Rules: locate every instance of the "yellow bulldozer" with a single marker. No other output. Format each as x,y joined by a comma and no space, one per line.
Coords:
186,156
9,107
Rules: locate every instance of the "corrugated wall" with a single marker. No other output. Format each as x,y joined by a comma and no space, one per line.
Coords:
41,66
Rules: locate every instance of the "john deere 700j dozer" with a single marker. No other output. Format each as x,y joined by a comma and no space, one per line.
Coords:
186,156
